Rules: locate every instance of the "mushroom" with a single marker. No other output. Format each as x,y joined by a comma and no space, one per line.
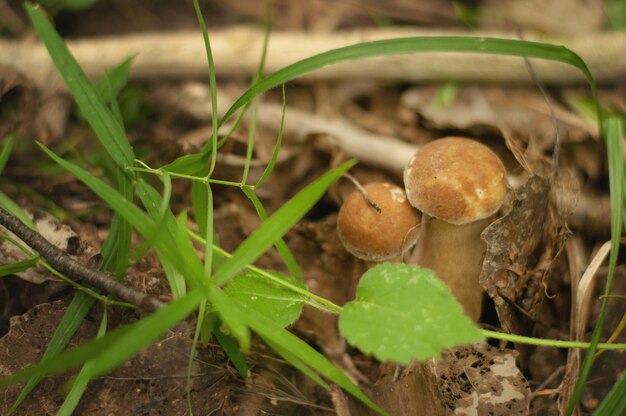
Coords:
456,183
377,225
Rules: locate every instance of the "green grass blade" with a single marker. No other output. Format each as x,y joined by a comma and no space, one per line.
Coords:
7,147
116,347
117,201
73,318
178,261
305,354
115,255
212,145
615,402
12,208
173,256
18,266
413,45
613,136
200,208
279,140
209,233
281,246
159,216
257,76
229,345
116,248
80,383
231,318
105,126
278,224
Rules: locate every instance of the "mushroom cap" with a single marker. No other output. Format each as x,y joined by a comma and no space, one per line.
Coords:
456,180
377,236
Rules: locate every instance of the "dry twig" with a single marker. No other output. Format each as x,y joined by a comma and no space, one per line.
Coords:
63,263
237,49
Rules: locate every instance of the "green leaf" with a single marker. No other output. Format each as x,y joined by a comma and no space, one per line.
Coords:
108,130
193,164
404,312
277,225
265,297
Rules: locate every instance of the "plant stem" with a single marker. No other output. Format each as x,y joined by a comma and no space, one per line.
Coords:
556,343
311,298
201,179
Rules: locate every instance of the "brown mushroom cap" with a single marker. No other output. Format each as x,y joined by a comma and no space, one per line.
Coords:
377,236
455,179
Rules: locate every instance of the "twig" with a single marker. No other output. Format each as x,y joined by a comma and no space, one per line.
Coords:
63,263
236,51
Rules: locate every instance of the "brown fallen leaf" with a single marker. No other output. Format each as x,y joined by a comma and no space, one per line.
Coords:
511,241
482,380
52,230
515,110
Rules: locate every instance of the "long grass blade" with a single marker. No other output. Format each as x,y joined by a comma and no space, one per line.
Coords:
105,126
7,148
278,224
413,45
613,136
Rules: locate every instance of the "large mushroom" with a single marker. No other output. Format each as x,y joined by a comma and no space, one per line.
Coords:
458,184
377,223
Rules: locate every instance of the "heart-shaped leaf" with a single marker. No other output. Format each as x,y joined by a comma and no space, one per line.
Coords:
404,312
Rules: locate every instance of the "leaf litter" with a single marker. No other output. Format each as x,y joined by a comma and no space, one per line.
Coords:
522,270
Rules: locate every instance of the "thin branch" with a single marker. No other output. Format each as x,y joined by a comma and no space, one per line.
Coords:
65,264
236,49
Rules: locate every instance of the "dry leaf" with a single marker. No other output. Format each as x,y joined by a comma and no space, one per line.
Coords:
516,110
60,235
482,380
511,240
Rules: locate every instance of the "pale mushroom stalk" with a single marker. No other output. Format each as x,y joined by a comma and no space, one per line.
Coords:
455,253
458,184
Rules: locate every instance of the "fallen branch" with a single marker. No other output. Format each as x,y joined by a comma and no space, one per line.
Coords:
237,51
63,263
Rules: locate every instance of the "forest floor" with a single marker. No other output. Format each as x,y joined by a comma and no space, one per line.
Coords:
558,215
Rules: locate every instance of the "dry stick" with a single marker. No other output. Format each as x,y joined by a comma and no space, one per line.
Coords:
63,263
236,50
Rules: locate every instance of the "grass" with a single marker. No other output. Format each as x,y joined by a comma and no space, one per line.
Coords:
198,284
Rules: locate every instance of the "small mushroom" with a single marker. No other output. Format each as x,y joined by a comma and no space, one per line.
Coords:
379,229
457,183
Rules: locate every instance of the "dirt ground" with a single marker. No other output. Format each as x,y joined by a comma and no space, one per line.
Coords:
554,222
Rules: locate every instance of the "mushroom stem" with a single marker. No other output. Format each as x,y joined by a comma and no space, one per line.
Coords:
455,253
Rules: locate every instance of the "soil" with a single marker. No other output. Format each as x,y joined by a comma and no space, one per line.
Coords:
543,240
